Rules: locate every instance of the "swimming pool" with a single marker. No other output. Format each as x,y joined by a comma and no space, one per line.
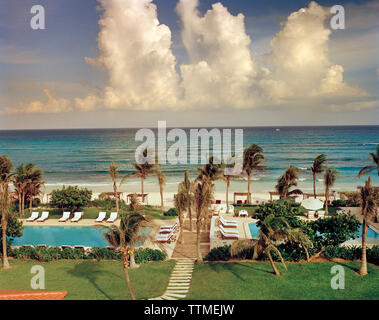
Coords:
71,236
254,230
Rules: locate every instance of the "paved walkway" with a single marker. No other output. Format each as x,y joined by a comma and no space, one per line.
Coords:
180,280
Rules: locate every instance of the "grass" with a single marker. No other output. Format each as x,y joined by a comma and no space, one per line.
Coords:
255,280
91,279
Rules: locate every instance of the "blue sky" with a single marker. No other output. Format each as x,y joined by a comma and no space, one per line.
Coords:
54,59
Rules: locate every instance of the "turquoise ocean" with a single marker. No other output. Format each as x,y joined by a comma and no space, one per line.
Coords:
82,156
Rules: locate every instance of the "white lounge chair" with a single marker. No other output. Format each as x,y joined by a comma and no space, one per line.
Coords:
243,213
65,216
112,217
228,223
311,214
321,213
222,209
77,216
229,235
33,216
231,208
229,230
101,216
166,237
44,216
168,228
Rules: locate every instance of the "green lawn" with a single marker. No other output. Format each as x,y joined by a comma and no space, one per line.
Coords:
91,279
255,280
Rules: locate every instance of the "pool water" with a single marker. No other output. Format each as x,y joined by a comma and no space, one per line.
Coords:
254,230
71,236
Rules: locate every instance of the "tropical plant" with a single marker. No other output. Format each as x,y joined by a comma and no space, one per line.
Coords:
229,174
33,187
273,230
317,167
330,177
123,237
6,168
186,187
203,198
134,204
368,206
114,174
71,198
20,182
162,182
144,167
286,182
212,170
252,161
375,160
180,203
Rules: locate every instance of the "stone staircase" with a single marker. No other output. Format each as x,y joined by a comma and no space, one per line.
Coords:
180,280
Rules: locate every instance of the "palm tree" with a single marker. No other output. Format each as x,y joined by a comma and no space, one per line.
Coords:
229,174
375,160
161,181
33,187
287,181
203,198
368,207
143,168
186,187
212,170
21,180
123,237
329,180
252,159
273,230
180,203
317,167
6,168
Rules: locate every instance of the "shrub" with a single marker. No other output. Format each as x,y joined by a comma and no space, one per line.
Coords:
100,253
71,198
352,198
353,253
171,212
142,255
339,203
219,253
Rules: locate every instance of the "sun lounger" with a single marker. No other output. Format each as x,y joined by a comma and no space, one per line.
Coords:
41,245
229,230
228,223
77,216
65,246
44,216
229,235
231,208
65,216
222,209
167,237
311,214
101,216
34,216
112,217
168,228
321,214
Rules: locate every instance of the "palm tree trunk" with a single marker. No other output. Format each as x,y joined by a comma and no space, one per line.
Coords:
161,192
248,189
306,253
277,273
199,256
227,193
314,185
142,185
115,195
19,203
190,217
30,204
282,260
126,273
23,203
326,200
181,240
363,269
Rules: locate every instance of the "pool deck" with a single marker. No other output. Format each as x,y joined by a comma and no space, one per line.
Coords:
55,223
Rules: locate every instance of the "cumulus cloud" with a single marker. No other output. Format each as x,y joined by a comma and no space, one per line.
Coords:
135,52
49,105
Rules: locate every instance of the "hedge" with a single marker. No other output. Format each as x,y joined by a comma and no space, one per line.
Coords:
46,254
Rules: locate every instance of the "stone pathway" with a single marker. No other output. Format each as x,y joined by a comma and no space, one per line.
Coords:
180,281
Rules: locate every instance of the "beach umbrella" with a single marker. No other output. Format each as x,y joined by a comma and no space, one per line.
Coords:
312,204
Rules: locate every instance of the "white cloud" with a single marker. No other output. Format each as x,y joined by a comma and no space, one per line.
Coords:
50,105
135,52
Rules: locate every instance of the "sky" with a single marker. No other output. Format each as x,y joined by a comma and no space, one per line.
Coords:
130,63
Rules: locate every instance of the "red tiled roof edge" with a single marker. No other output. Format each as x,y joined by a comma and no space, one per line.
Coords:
32,295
